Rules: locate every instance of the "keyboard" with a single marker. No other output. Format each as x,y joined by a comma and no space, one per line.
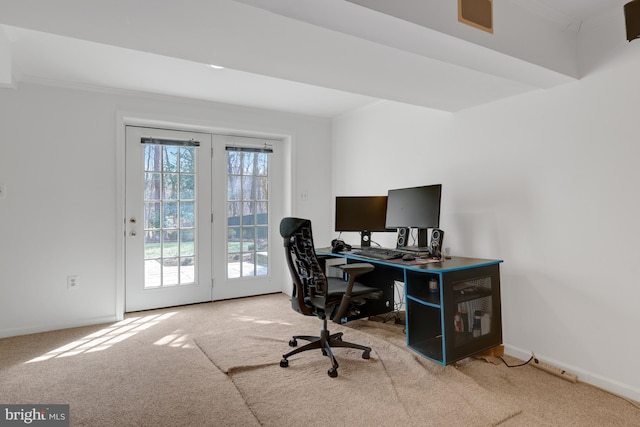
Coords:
379,253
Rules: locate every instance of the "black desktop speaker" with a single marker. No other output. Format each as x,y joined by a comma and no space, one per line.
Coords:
632,19
437,238
403,237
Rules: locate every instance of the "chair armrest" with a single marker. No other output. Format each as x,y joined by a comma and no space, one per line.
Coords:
356,269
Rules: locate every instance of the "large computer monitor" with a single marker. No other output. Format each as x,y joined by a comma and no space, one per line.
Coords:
363,214
415,207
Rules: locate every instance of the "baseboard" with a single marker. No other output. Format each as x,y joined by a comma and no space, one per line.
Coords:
6,333
607,384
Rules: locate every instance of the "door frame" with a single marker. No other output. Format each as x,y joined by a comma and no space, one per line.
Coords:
126,118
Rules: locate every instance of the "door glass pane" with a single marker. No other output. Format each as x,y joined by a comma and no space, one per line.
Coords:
262,164
169,215
248,190
261,238
187,214
170,186
247,164
262,262
152,186
261,188
186,242
187,159
187,186
247,214
169,243
169,158
151,215
233,163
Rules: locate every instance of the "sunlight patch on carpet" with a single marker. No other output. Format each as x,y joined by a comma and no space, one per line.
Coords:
105,338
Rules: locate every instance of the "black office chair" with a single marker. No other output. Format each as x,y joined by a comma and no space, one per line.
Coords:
314,294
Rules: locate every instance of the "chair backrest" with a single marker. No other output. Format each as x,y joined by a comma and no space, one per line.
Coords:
308,278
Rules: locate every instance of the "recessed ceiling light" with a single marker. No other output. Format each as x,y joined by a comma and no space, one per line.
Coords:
217,67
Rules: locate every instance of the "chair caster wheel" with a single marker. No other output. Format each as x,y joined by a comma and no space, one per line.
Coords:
293,343
333,372
284,363
366,355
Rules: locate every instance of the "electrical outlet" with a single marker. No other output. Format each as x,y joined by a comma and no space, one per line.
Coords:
553,370
73,282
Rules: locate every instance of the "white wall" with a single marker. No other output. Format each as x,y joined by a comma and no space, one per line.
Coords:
58,162
546,181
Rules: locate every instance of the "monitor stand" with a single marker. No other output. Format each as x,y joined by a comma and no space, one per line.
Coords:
423,244
422,237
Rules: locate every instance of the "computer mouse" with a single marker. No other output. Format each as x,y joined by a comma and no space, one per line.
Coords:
408,257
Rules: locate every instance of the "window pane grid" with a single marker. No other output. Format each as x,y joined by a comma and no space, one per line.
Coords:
169,215
247,214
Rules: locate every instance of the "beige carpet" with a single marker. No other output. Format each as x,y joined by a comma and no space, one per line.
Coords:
394,386
150,370
132,383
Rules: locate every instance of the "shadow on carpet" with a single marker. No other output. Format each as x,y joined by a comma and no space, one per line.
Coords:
394,386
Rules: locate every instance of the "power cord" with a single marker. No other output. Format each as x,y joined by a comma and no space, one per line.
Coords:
516,366
384,318
376,243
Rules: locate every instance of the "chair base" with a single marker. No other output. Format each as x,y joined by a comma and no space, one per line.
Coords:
325,342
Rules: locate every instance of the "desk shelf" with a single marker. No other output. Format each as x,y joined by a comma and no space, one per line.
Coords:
430,348
417,286
425,336
435,325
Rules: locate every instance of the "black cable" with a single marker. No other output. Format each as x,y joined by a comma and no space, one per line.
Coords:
386,317
515,366
376,243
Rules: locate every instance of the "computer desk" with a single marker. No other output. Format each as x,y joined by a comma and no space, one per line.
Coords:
453,307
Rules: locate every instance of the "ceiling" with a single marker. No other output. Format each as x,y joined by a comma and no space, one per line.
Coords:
579,10
302,56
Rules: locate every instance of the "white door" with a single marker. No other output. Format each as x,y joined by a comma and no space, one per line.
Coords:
168,218
248,254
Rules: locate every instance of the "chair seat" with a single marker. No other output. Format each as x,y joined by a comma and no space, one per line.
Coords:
337,288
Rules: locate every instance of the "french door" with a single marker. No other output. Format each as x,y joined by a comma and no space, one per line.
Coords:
202,217
168,218
248,208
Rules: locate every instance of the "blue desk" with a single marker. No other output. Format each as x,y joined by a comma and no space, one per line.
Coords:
453,307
